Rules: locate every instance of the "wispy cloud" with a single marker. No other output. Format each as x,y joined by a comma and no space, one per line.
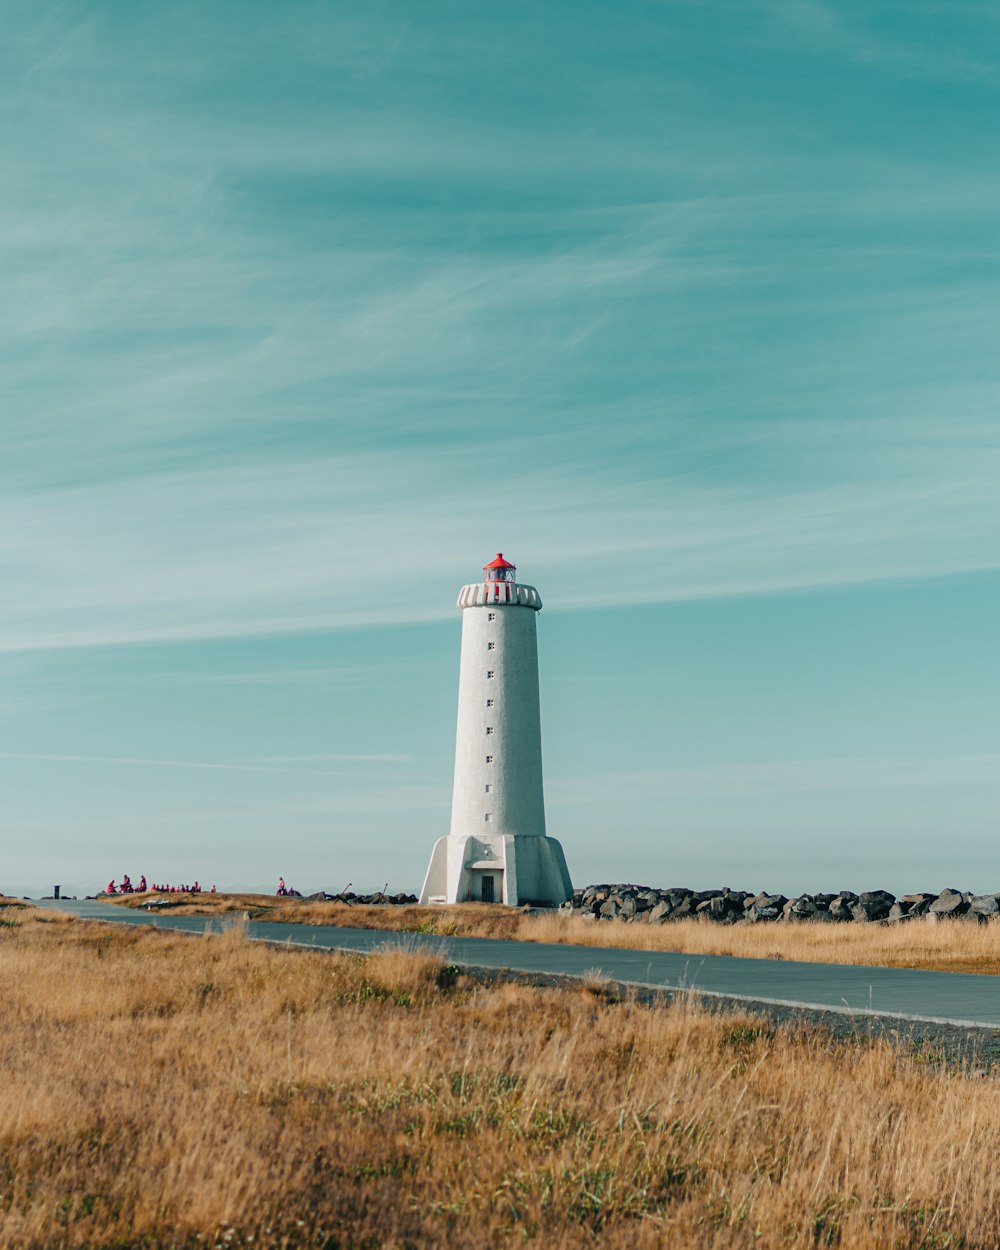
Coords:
325,544
773,777
384,758
142,762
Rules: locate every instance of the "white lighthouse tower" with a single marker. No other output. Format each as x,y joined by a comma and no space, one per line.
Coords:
497,850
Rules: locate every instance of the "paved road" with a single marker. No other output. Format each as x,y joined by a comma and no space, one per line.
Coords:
907,994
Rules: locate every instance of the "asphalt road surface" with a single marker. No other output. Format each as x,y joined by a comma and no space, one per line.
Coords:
903,994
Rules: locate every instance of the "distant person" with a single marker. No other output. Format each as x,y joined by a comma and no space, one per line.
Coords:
142,887
212,890
110,888
282,888
126,885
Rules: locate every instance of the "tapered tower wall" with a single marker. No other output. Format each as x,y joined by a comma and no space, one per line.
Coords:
498,751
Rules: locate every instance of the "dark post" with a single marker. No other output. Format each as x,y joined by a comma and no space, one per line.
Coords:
55,891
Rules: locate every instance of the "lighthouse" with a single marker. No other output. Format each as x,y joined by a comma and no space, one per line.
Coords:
497,850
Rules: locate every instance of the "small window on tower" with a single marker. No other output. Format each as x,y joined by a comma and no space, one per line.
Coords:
491,616
489,759
486,815
489,730
489,702
490,674
489,788
491,646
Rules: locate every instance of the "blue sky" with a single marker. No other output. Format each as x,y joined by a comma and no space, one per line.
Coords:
689,308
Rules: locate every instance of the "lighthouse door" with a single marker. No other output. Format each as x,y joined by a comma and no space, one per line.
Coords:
487,887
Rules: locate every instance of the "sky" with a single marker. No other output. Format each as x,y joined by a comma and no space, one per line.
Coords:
690,308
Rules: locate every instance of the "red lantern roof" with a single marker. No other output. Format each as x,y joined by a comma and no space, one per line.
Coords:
499,563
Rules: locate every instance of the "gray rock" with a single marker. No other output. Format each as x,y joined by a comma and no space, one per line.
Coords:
819,916
609,908
628,908
876,898
985,904
949,903
659,913
769,906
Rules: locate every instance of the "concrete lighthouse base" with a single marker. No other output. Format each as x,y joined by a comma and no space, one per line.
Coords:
512,869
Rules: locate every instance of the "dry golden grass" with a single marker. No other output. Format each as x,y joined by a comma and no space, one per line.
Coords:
945,945
169,1091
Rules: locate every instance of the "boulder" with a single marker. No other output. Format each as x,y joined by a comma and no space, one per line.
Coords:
769,906
628,908
819,916
871,897
608,909
985,904
659,913
949,903
875,904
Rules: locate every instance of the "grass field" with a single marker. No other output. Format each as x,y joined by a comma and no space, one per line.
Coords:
946,945
170,1091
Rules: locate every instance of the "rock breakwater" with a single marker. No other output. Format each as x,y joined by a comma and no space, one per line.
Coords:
640,904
